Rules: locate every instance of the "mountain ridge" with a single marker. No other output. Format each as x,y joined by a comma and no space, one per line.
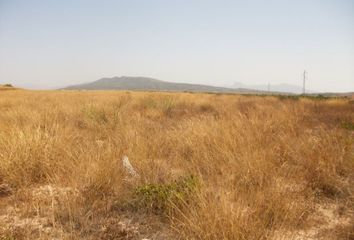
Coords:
151,84
139,83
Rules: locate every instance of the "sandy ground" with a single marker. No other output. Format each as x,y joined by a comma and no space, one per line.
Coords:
38,221
34,218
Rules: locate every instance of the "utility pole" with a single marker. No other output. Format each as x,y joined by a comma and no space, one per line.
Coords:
304,83
268,88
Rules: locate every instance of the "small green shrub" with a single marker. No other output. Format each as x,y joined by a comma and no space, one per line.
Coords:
167,105
148,103
7,236
320,97
205,107
160,198
348,125
288,97
95,114
316,97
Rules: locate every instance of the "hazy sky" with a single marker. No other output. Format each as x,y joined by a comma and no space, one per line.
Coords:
53,43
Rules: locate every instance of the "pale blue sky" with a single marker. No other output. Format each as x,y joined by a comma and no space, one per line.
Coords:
50,43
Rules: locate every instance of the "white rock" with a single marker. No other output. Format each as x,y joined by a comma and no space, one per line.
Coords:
127,165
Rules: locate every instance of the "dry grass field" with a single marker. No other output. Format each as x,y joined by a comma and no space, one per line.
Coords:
209,166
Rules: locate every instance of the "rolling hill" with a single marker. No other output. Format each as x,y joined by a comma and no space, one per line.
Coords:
150,84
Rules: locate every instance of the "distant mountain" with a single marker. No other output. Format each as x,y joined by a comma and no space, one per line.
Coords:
7,87
150,84
284,88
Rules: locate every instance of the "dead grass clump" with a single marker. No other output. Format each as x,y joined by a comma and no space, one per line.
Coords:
205,107
31,156
147,102
331,158
104,179
5,190
345,232
225,217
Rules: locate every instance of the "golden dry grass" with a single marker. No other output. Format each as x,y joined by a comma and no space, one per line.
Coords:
262,166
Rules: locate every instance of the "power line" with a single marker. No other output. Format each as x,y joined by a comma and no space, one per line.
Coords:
304,82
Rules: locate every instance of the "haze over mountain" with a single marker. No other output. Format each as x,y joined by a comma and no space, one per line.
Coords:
282,87
150,84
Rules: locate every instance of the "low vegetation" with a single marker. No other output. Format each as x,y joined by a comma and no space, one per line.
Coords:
7,87
210,166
